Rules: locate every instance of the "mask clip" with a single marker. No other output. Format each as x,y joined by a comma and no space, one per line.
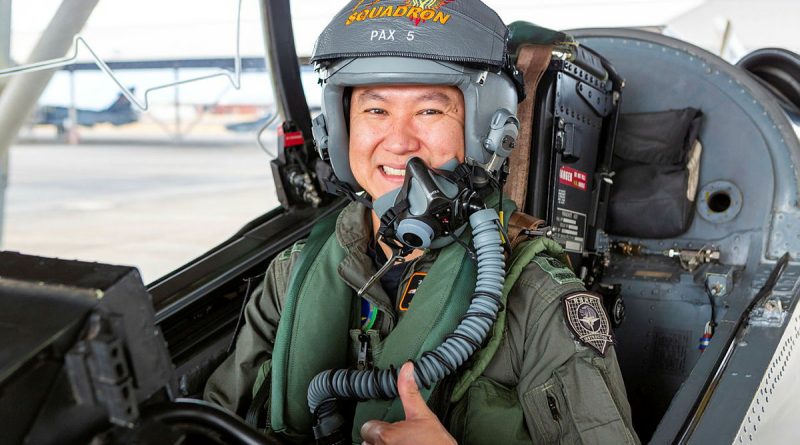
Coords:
398,257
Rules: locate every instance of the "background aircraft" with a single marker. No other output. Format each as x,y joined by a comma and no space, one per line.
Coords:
120,112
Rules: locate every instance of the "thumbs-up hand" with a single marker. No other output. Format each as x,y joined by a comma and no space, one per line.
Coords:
421,426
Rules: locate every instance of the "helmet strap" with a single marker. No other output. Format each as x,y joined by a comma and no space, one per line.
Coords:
518,79
336,187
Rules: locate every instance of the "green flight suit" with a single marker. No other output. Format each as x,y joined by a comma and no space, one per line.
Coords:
566,391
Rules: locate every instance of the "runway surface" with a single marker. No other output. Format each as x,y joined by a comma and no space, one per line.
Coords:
151,206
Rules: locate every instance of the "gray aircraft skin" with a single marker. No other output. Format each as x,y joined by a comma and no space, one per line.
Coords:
750,153
737,390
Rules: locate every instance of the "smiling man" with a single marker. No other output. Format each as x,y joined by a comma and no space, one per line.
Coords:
421,120
391,123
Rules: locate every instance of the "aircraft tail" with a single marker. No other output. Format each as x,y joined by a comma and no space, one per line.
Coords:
121,103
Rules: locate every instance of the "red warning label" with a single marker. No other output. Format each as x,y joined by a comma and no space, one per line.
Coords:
573,178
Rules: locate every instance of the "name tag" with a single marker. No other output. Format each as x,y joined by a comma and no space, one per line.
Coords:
410,290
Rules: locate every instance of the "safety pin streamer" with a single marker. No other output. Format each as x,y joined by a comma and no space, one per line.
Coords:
234,77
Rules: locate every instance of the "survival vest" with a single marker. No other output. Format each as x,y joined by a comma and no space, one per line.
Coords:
319,311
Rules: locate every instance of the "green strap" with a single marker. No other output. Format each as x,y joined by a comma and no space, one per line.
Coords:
261,395
438,306
304,320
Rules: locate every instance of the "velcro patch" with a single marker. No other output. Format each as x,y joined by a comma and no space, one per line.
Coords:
557,270
587,320
296,248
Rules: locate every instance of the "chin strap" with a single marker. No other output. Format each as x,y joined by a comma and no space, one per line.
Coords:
336,187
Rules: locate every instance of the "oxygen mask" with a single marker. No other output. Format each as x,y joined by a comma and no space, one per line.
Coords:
431,209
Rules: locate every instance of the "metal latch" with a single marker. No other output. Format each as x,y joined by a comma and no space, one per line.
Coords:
564,142
99,372
770,314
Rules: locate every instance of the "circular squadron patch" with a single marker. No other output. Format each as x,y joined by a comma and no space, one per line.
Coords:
588,321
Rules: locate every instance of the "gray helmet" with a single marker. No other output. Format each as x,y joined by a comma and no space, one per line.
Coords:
425,42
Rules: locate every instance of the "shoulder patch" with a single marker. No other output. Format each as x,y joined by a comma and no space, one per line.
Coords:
587,320
557,270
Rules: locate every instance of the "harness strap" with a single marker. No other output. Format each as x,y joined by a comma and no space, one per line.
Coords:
533,60
518,223
305,319
258,407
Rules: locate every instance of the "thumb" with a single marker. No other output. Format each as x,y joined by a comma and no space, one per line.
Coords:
413,403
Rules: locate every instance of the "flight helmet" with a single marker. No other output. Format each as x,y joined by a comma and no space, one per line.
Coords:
462,43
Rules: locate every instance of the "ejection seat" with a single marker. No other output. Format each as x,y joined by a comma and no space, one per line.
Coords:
667,285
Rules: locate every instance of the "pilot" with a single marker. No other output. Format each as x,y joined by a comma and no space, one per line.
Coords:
420,92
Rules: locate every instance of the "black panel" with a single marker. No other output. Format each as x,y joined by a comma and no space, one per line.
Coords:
78,348
573,127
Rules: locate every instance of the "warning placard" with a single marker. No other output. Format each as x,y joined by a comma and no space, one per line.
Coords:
573,178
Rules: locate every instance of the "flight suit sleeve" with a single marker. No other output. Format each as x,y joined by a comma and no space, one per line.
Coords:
570,393
231,384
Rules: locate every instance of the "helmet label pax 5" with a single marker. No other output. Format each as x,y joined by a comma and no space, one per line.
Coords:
388,34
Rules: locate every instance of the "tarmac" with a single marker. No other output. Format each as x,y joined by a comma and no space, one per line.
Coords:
151,204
